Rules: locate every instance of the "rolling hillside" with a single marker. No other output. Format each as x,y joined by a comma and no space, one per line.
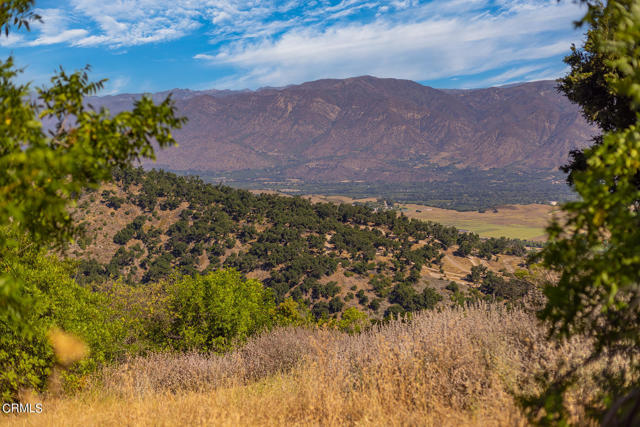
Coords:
149,225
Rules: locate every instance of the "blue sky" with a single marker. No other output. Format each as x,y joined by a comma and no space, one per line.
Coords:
154,45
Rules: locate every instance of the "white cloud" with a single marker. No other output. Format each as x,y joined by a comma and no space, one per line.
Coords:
62,37
204,56
220,16
430,47
53,22
516,74
114,86
51,30
513,73
11,40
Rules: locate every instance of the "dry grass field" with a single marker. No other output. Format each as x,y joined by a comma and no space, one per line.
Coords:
525,222
446,368
516,221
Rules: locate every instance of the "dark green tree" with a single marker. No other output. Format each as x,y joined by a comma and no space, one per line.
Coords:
587,84
596,252
477,273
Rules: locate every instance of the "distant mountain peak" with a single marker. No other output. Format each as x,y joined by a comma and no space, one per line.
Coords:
369,128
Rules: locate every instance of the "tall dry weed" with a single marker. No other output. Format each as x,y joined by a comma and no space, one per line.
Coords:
451,367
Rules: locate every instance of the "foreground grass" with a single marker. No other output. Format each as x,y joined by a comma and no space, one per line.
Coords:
451,367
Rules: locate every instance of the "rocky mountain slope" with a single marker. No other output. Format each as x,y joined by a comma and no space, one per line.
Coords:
370,129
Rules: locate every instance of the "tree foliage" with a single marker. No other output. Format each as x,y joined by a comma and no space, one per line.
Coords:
42,172
55,301
588,84
213,311
597,252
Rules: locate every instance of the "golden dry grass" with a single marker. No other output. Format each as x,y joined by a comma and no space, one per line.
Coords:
526,222
448,368
516,221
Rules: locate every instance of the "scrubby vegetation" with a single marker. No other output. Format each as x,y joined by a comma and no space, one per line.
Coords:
207,313
297,248
448,367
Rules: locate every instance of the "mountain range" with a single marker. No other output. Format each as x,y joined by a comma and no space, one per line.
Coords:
369,129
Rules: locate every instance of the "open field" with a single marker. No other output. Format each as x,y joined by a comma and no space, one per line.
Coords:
515,221
445,368
525,222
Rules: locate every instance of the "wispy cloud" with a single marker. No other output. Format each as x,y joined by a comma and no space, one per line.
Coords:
65,36
11,40
136,22
525,73
251,43
54,28
114,86
512,74
423,43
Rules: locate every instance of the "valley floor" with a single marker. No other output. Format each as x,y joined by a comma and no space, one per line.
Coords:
526,222
451,367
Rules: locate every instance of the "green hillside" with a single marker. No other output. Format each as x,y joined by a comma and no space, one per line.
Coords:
150,225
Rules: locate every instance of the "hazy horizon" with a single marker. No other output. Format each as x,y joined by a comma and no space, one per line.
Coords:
212,89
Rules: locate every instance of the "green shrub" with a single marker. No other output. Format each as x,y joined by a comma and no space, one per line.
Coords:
336,304
321,310
55,301
213,311
353,321
452,286
374,305
290,312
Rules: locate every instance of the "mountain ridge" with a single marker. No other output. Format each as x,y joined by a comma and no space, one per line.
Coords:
370,129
